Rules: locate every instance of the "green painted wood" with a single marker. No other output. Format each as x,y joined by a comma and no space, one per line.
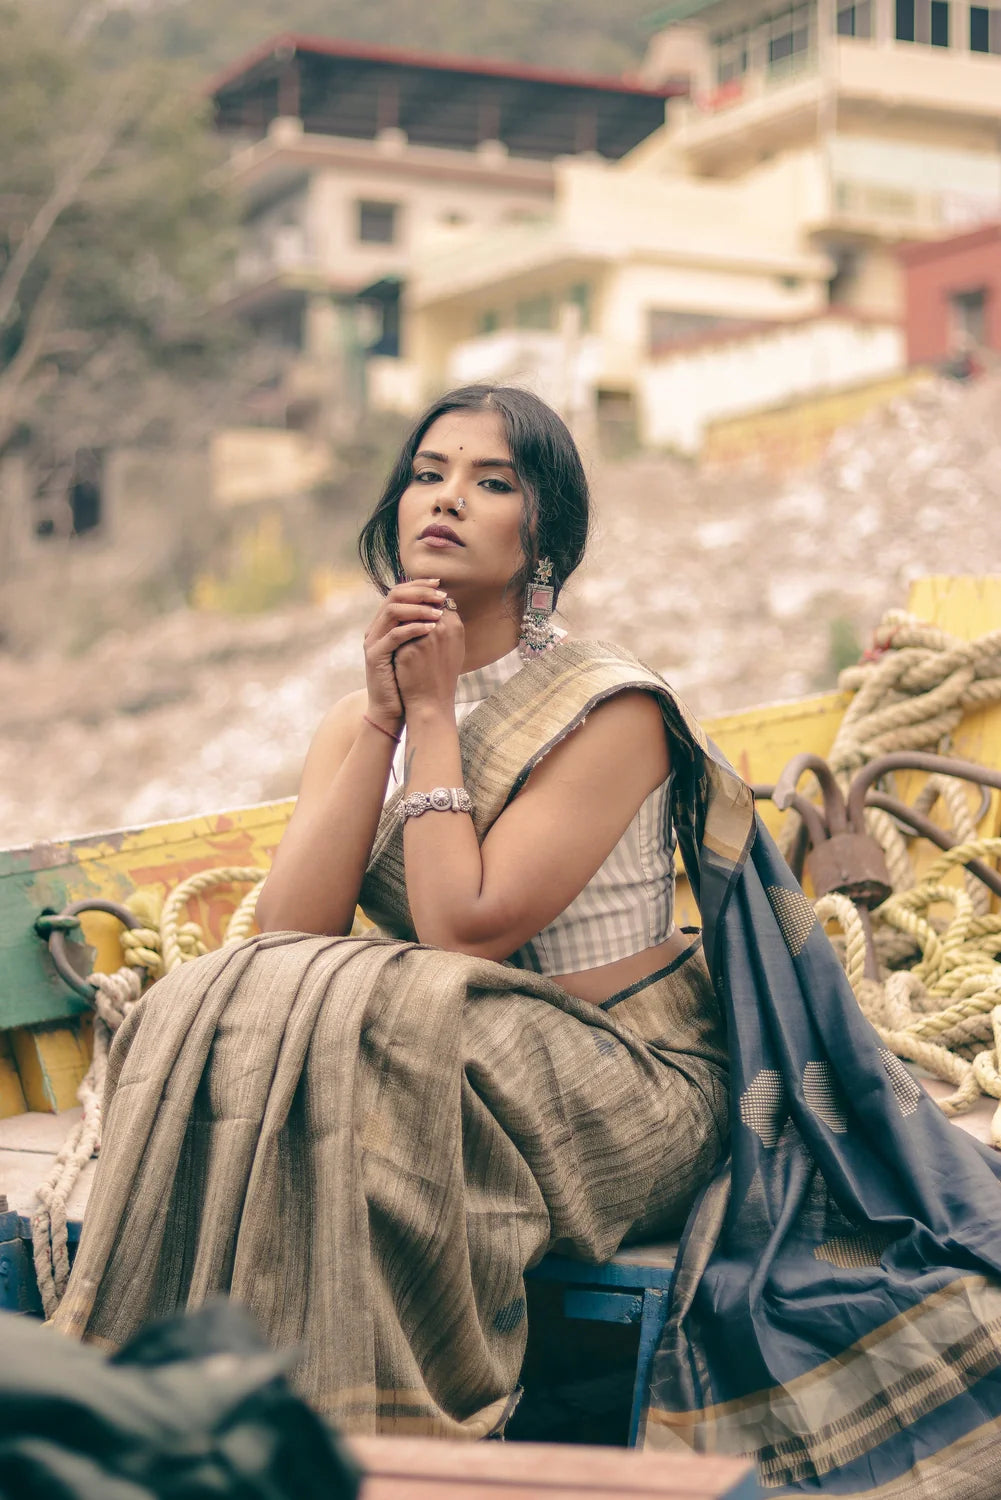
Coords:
47,876
32,881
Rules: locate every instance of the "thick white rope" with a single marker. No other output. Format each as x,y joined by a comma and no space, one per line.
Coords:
115,995
156,950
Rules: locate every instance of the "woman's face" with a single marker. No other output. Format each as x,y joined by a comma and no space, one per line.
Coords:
464,455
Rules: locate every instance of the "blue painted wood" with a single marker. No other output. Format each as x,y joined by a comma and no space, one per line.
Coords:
631,1293
613,1273
74,1228
602,1307
652,1320
18,1288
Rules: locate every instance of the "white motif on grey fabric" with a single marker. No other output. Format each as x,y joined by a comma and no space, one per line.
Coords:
822,1096
852,1252
905,1090
763,1105
795,916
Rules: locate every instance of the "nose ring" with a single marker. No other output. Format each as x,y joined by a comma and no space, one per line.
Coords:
460,505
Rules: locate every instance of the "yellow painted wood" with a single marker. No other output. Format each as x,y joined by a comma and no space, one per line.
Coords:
51,1060
967,606
12,1100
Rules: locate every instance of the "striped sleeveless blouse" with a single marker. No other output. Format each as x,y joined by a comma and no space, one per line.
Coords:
628,904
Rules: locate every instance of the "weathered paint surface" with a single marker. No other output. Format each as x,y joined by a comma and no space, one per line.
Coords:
48,876
51,1060
12,1100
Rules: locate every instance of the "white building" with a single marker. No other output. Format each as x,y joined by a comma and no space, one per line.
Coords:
354,161
817,139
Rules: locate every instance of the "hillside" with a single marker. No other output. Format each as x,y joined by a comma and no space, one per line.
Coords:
738,589
588,35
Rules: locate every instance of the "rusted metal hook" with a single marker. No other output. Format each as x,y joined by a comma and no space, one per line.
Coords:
835,814
913,760
54,929
809,812
919,824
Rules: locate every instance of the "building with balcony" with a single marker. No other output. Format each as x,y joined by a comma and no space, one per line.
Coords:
816,139
953,299
353,161
892,108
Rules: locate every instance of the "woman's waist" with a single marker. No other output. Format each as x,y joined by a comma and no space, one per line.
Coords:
674,1007
601,983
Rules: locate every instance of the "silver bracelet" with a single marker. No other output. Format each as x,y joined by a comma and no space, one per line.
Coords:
439,799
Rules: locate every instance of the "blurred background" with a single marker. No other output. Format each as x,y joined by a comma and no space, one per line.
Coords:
751,251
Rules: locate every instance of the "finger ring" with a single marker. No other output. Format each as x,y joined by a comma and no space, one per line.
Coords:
450,603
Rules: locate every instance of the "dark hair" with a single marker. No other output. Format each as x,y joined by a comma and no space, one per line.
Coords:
557,516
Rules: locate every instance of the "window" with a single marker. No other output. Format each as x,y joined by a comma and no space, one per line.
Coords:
579,296
667,326
939,23
788,35
969,317
535,312
985,29
377,223
85,491
923,21
855,20
733,55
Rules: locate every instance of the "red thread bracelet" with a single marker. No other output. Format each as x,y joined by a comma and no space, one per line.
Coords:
394,737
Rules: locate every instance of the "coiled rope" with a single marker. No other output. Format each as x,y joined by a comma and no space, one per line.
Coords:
943,1011
163,943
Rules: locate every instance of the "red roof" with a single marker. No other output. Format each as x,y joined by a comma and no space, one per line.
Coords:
291,42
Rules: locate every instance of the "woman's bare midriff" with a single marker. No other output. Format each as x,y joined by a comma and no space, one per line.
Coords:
600,984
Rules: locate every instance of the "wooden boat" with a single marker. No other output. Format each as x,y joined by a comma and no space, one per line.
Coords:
45,1025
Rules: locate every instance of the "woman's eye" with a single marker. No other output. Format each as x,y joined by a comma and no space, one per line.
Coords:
498,486
424,476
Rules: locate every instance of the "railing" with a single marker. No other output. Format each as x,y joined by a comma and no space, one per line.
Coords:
889,209
286,250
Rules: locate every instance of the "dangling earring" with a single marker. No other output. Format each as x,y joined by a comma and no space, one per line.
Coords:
537,631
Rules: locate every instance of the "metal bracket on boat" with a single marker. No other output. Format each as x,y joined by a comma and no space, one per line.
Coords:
53,927
842,857
845,858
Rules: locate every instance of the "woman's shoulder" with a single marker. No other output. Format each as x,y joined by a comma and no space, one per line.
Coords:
597,665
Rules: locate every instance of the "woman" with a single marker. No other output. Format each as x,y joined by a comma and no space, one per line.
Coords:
465,507
368,1140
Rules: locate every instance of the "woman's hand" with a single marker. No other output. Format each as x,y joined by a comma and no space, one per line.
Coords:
408,612
427,668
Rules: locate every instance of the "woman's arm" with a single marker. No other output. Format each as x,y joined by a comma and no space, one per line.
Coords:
544,848
318,867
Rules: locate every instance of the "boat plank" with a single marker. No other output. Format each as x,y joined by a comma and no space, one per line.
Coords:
418,1467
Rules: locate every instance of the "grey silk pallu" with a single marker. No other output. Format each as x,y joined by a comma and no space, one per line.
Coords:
367,1142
